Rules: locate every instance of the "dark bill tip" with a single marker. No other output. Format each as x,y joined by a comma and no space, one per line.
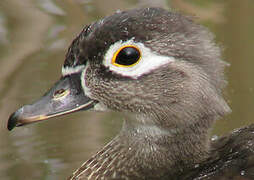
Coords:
13,121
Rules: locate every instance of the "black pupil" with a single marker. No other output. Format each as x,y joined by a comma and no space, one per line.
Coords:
127,56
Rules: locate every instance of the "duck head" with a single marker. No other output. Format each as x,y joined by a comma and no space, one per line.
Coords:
148,62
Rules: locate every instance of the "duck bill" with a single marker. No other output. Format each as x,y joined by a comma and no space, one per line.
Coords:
66,96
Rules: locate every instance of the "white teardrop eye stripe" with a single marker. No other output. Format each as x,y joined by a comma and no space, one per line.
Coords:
148,62
72,70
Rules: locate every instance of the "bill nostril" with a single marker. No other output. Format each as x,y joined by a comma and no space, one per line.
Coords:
60,93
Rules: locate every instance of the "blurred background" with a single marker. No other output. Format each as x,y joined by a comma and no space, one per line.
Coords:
34,36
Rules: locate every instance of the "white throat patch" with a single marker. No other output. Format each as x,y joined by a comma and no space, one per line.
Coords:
148,62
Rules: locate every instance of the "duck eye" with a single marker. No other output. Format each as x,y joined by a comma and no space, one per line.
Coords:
126,56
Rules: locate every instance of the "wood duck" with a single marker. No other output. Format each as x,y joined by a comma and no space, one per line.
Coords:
165,74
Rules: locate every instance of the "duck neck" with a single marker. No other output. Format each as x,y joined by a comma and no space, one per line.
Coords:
174,147
148,149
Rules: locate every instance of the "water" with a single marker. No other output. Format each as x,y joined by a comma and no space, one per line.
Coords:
34,36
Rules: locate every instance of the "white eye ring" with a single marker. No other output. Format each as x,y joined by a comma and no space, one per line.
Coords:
148,61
